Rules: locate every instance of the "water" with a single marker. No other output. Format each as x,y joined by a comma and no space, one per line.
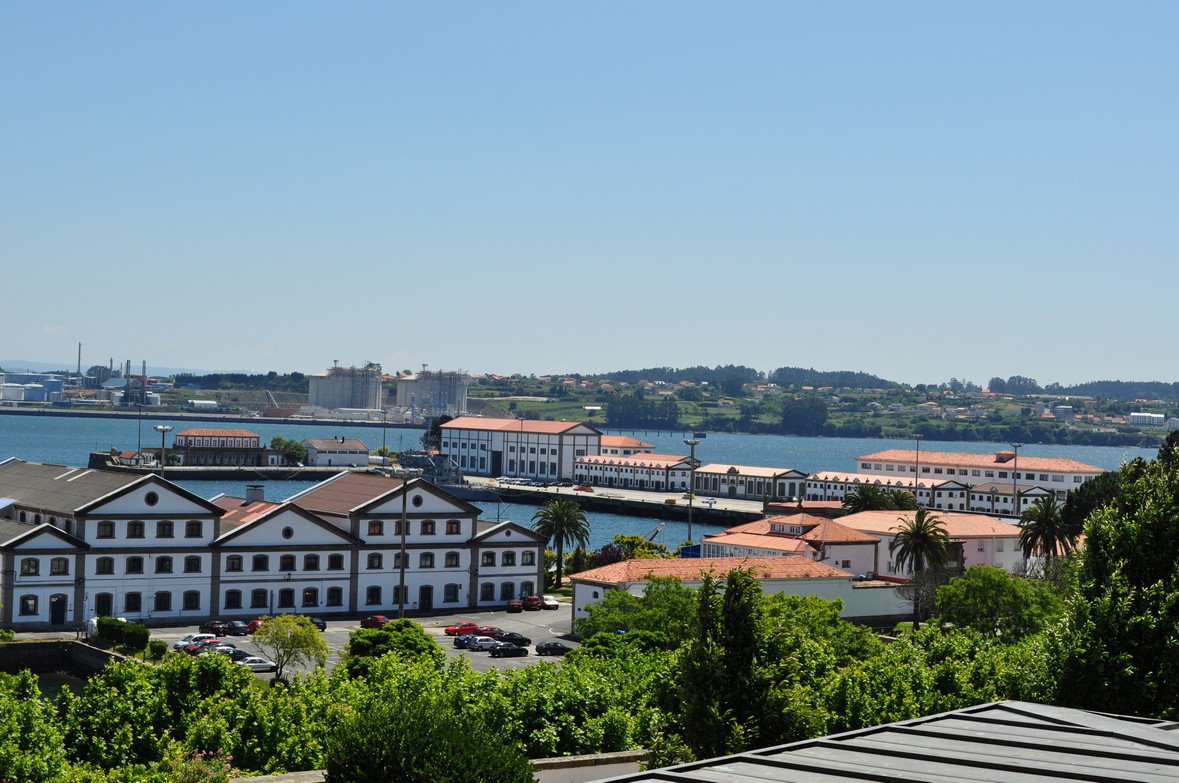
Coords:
68,440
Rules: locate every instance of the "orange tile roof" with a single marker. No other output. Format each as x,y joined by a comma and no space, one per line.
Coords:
624,442
815,529
238,512
744,470
210,433
512,425
691,569
957,524
783,544
345,492
968,460
643,460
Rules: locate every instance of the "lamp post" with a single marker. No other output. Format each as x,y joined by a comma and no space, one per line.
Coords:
691,443
917,467
1014,476
163,429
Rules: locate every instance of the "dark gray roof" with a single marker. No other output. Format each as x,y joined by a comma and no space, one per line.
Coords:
57,488
1006,742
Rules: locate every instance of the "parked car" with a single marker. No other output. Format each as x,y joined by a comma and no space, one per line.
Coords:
213,626
458,629
318,622
533,603
583,488
550,602
507,650
481,643
374,621
238,654
197,647
461,640
515,605
490,630
516,638
254,625
192,638
552,648
236,628
257,664
220,649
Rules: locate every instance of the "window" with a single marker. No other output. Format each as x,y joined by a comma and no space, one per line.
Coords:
398,531
397,560
106,529
310,562
426,560
374,561
527,588
135,529
163,601
286,598
450,594
487,592
335,562
30,566
191,600
428,527
192,529
233,599
372,596
258,599
452,559
1002,474
488,559
310,597
452,527
104,565
260,563
132,603
286,563
376,527
507,591
192,564
28,604
335,596
509,559
164,529
233,563
164,565
528,558
134,565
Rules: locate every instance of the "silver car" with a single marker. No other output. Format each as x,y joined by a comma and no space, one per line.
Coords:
481,643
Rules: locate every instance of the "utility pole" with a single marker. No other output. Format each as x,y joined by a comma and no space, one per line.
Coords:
1014,485
691,443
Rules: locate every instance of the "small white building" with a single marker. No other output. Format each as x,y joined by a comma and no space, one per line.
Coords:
654,472
339,451
818,538
984,540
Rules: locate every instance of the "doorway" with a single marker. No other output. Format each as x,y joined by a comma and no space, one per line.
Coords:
57,609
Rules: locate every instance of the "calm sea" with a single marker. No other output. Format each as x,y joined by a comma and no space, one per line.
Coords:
68,440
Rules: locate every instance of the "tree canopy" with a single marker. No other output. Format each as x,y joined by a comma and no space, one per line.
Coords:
562,522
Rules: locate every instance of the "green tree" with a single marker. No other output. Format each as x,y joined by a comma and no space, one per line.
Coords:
563,523
31,747
665,608
290,640
920,542
293,451
803,416
1043,531
404,638
1119,642
995,603
1079,503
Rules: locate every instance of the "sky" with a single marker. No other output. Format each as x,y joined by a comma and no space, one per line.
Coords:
918,190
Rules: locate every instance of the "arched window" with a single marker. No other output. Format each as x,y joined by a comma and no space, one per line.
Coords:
192,564
372,596
335,596
507,591
104,565
164,566
310,562
310,597
135,529
335,562
286,598
452,559
286,563
258,599
163,601
426,560
527,588
234,563
487,592
509,559
427,527
528,557
132,603
164,529
30,566
260,563
233,599
488,559
453,528
374,561
192,600
450,594
193,529
28,604
134,564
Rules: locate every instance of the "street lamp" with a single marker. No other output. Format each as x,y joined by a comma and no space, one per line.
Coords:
1014,476
691,443
917,468
163,429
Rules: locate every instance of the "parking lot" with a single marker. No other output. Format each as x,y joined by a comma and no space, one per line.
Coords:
539,626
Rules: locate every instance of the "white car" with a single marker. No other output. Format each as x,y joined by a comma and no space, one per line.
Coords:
192,638
254,663
481,643
550,602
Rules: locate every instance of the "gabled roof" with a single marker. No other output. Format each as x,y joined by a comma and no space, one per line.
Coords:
640,460
518,425
1006,742
624,442
957,524
14,534
279,510
691,569
755,471
1001,459
162,484
344,492
348,444
490,530
58,488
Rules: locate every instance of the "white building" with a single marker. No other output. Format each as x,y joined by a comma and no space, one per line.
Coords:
77,543
749,482
984,540
992,497
1054,473
331,452
818,538
1139,419
543,450
790,575
654,472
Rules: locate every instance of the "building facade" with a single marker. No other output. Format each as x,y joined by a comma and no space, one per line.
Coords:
215,447
653,472
749,482
347,387
519,448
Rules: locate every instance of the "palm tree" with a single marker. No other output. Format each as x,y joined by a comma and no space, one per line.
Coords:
1044,530
903,500
920,541
563,522
868,497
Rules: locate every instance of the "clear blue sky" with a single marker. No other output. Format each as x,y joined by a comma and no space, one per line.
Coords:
914,189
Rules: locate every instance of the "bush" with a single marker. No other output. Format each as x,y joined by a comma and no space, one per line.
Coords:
132,636
157,648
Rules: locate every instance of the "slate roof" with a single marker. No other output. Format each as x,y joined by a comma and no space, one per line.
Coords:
344,492
1005,742
58,488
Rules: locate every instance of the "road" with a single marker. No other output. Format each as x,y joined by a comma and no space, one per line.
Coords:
539,626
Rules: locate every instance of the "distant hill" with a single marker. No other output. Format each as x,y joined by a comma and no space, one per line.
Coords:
23,365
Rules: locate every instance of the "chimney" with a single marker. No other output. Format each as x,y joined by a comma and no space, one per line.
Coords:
255,493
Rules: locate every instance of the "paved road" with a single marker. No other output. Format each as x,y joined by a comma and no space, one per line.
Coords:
538,626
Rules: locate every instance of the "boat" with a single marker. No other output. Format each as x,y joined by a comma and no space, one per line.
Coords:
699,434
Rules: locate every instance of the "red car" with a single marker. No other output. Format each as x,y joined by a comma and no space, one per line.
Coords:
374,621
533,603
583,488
515,605
490,630
461,629
254,625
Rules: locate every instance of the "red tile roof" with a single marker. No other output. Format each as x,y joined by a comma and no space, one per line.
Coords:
512,425
691,569
624,442
968,460
209,433
643,460
238,512
957,524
